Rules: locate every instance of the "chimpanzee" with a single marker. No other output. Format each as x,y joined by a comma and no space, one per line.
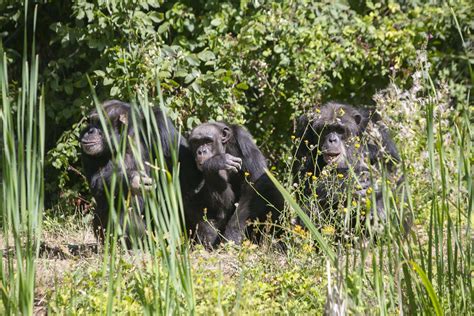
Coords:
235,186
100,163
338,151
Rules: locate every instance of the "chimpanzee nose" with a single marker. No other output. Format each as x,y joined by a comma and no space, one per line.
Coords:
332,138
93,131
202,151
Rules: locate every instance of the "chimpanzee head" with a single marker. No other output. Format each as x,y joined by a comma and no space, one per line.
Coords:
208,140
332,129
93,139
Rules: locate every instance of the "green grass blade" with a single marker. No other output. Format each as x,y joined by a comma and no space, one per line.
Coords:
429,288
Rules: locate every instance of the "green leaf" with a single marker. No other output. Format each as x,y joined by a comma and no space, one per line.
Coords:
68,88
429,288
108,81
163,28
278,49
192,60
156,17
206,55
99,73
216,22
242,86
114,91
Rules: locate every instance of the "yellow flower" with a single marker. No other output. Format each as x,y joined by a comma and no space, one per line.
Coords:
293,137
369,190
357,145
340,175
299,230
306,142
328,230
354,203
307,248
341,112
318,111
309,174
273,168
313,178
246,173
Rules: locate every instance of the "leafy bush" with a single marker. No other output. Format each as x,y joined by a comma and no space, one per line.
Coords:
255,62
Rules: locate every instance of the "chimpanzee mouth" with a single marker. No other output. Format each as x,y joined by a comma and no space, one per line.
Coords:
89,144
331,157
92,147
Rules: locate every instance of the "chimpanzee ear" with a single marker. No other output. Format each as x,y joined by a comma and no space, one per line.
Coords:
357,118
123,118
226,134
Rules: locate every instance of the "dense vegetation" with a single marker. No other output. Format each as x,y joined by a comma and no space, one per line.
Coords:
262,64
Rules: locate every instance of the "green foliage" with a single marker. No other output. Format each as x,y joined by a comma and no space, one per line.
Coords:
261,63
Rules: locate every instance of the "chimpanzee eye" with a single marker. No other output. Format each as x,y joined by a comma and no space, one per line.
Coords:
94,120
340,130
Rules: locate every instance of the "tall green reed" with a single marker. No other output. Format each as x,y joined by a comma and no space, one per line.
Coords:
22,189
164,286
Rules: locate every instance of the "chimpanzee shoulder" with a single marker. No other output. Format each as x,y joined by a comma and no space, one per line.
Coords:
253,160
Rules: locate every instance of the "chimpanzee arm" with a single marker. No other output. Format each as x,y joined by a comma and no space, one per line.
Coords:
131,177
253,160
220,162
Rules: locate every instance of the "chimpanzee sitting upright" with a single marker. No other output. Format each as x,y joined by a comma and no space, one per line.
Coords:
234,174
100,164
337,150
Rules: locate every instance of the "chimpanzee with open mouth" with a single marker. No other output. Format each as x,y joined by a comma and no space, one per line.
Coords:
337,154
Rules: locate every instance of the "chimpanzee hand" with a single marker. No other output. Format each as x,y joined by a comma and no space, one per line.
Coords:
223,162
139,179
232,163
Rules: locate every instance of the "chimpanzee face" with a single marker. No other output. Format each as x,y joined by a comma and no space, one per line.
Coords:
333,139
208,140
334,129
93,139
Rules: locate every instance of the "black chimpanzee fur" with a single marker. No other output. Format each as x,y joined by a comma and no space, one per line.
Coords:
335,140
235,189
